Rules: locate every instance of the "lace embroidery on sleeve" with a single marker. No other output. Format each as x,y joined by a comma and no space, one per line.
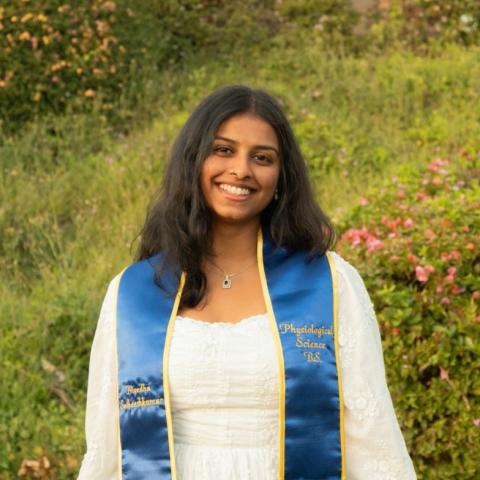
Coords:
386,466
362,403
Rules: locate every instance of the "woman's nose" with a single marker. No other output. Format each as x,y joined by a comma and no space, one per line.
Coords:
240,165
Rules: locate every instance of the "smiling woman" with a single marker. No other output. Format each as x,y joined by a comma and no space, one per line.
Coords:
238,345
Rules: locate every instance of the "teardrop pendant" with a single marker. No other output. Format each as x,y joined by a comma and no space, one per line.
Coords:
227,282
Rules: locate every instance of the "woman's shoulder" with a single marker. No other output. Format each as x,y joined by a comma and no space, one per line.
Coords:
350,281
149,264
112,287
344,268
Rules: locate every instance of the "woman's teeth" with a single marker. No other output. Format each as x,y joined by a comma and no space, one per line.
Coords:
235,190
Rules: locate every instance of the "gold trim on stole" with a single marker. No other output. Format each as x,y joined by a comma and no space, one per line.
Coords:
333,271
119,438
279,351
166,379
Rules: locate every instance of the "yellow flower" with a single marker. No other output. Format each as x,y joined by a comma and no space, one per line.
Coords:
14,19
24,36
2,84
26,17
37,96
41,17
46,39
89,93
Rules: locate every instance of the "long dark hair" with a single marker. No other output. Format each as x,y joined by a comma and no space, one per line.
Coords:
178,222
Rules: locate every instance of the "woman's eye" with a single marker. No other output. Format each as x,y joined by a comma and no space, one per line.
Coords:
222,149
262,158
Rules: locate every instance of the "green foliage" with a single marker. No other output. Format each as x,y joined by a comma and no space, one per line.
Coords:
56,56
324,15
425,25
51,53
416,242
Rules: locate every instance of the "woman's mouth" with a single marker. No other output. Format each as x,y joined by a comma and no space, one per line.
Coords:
234,190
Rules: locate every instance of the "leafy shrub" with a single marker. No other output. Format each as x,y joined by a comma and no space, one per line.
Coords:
416,243
52,52
56,56
327,16
421,24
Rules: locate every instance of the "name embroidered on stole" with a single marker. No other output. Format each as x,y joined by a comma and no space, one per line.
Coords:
301,303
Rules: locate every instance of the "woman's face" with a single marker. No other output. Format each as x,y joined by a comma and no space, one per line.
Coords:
239,177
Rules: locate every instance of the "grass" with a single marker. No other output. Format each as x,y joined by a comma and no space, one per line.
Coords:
74,193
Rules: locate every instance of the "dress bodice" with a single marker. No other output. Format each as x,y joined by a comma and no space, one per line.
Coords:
224,394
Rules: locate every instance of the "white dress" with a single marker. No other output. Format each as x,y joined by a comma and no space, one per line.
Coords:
223,380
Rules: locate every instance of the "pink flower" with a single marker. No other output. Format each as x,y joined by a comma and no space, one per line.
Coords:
452,271
430,234
355,236
445,301
429,268
470,246
391,224
476,422
455,255
421,196
449,279
476,294
421,274
373,244
456,290
445,256
444,374
436,163
358,236
412,258
363,201
439,289
408,223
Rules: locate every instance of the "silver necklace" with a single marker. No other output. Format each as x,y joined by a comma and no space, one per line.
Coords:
227,277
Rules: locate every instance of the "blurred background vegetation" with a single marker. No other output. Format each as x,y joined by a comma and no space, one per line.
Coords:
384,98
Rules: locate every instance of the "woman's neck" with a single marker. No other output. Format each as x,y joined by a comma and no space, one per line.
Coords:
234,244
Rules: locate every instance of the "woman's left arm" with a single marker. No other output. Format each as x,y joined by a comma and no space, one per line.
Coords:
375,448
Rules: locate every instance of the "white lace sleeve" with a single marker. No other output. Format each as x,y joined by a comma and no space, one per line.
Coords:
375,448
101,425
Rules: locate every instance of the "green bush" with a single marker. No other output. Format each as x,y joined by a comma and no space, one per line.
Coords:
416,243
56,56
52,54
424,25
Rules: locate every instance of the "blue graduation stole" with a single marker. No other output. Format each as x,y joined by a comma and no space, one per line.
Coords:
301,300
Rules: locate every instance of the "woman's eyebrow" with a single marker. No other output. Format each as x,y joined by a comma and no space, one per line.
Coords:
262,147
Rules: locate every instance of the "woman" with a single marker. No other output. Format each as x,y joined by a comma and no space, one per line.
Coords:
239,346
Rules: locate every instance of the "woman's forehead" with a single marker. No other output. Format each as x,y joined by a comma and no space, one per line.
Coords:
247,128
